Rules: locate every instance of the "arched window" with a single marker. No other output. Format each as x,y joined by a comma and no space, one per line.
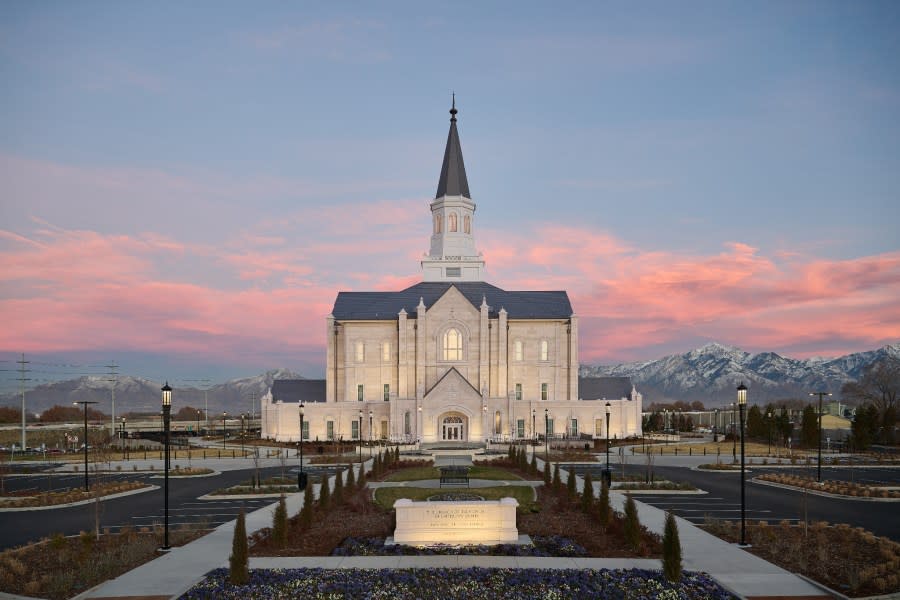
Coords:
451,222
437,223
517,350
498,429
545,350
452,345
467,224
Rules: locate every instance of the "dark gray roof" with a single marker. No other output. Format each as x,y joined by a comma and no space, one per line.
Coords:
350,306
598,388
295,390
453,180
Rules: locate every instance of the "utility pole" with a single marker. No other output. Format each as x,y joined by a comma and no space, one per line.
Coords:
22,380
112,366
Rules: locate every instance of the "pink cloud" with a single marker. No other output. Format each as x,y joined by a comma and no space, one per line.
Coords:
265,287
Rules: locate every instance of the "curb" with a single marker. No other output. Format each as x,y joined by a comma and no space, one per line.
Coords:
823,494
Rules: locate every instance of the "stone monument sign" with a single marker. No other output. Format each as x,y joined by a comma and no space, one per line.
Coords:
475,522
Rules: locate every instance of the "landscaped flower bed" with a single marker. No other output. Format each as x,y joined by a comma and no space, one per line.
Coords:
682,486
540,546
98,489
829,486
472,583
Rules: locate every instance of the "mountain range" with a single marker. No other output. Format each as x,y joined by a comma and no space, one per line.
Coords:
709,374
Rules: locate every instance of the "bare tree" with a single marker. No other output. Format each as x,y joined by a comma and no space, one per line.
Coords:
879,385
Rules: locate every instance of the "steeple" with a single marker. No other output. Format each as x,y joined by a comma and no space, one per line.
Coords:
453,180
452,256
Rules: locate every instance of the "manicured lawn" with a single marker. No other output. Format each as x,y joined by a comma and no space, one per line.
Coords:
475,472
385,497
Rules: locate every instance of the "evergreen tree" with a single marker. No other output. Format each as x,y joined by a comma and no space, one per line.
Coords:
306,512
324,494
632,526
376,466
239,561
534,467
809,429
511,453
571,487
671,550
557,482
280,524
337,498
756,426
397,456
864,426
351,479
604,509
587,494
362,476
546,473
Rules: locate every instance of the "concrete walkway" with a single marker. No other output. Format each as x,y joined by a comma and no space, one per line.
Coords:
738,570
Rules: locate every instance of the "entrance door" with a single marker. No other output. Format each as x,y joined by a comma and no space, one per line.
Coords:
452,429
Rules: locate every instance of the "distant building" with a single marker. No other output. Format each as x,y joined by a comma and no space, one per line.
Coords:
453,358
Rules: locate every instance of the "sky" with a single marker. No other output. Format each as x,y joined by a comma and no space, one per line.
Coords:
187,186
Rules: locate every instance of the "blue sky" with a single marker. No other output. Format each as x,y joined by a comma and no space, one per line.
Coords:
689,172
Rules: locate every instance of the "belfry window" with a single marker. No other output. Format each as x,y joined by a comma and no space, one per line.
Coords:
452,345
467,224
451,222
437,223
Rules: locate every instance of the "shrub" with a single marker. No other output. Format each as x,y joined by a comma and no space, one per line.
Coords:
534,467
280,524
337,498
546,473
632,525
671,550
604,510
587,494
324,494
557,482
238,562
306,510
351,480
571,488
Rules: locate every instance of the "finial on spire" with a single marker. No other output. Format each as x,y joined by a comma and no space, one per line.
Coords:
453,110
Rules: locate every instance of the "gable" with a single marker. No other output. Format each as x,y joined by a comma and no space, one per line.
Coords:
451,384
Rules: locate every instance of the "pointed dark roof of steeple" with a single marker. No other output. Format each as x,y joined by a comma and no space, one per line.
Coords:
453,180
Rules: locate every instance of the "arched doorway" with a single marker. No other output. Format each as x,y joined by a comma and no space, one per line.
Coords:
453,428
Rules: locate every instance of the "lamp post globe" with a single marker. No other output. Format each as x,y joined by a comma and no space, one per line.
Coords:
167,412
741,401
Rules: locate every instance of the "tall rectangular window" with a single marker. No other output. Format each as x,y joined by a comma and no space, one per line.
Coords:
518,351
354,430
573,430
520,428
545,350
598,427
386,351
305,430
387,392
360,352
549,427
518,391
359,392
544,393
384,430
329,430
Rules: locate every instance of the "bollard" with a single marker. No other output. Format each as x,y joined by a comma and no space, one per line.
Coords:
704,450
690,451
204,454
676,450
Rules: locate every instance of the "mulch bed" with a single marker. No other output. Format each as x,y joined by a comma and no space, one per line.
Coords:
849,560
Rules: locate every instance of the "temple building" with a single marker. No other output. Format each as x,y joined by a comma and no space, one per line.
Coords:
452,359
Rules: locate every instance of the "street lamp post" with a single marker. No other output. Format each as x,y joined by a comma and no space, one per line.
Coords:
547,434
359,437
198,422
301,476
123,438
371,414
742,400
819,463
224,429
769,417
733,434
242,435
167,411
716,427
607,474
83,403
533,430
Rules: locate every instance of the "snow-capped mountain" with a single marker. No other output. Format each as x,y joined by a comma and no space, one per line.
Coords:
711,373
134,394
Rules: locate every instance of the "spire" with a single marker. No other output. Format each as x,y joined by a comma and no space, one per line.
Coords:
453,180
